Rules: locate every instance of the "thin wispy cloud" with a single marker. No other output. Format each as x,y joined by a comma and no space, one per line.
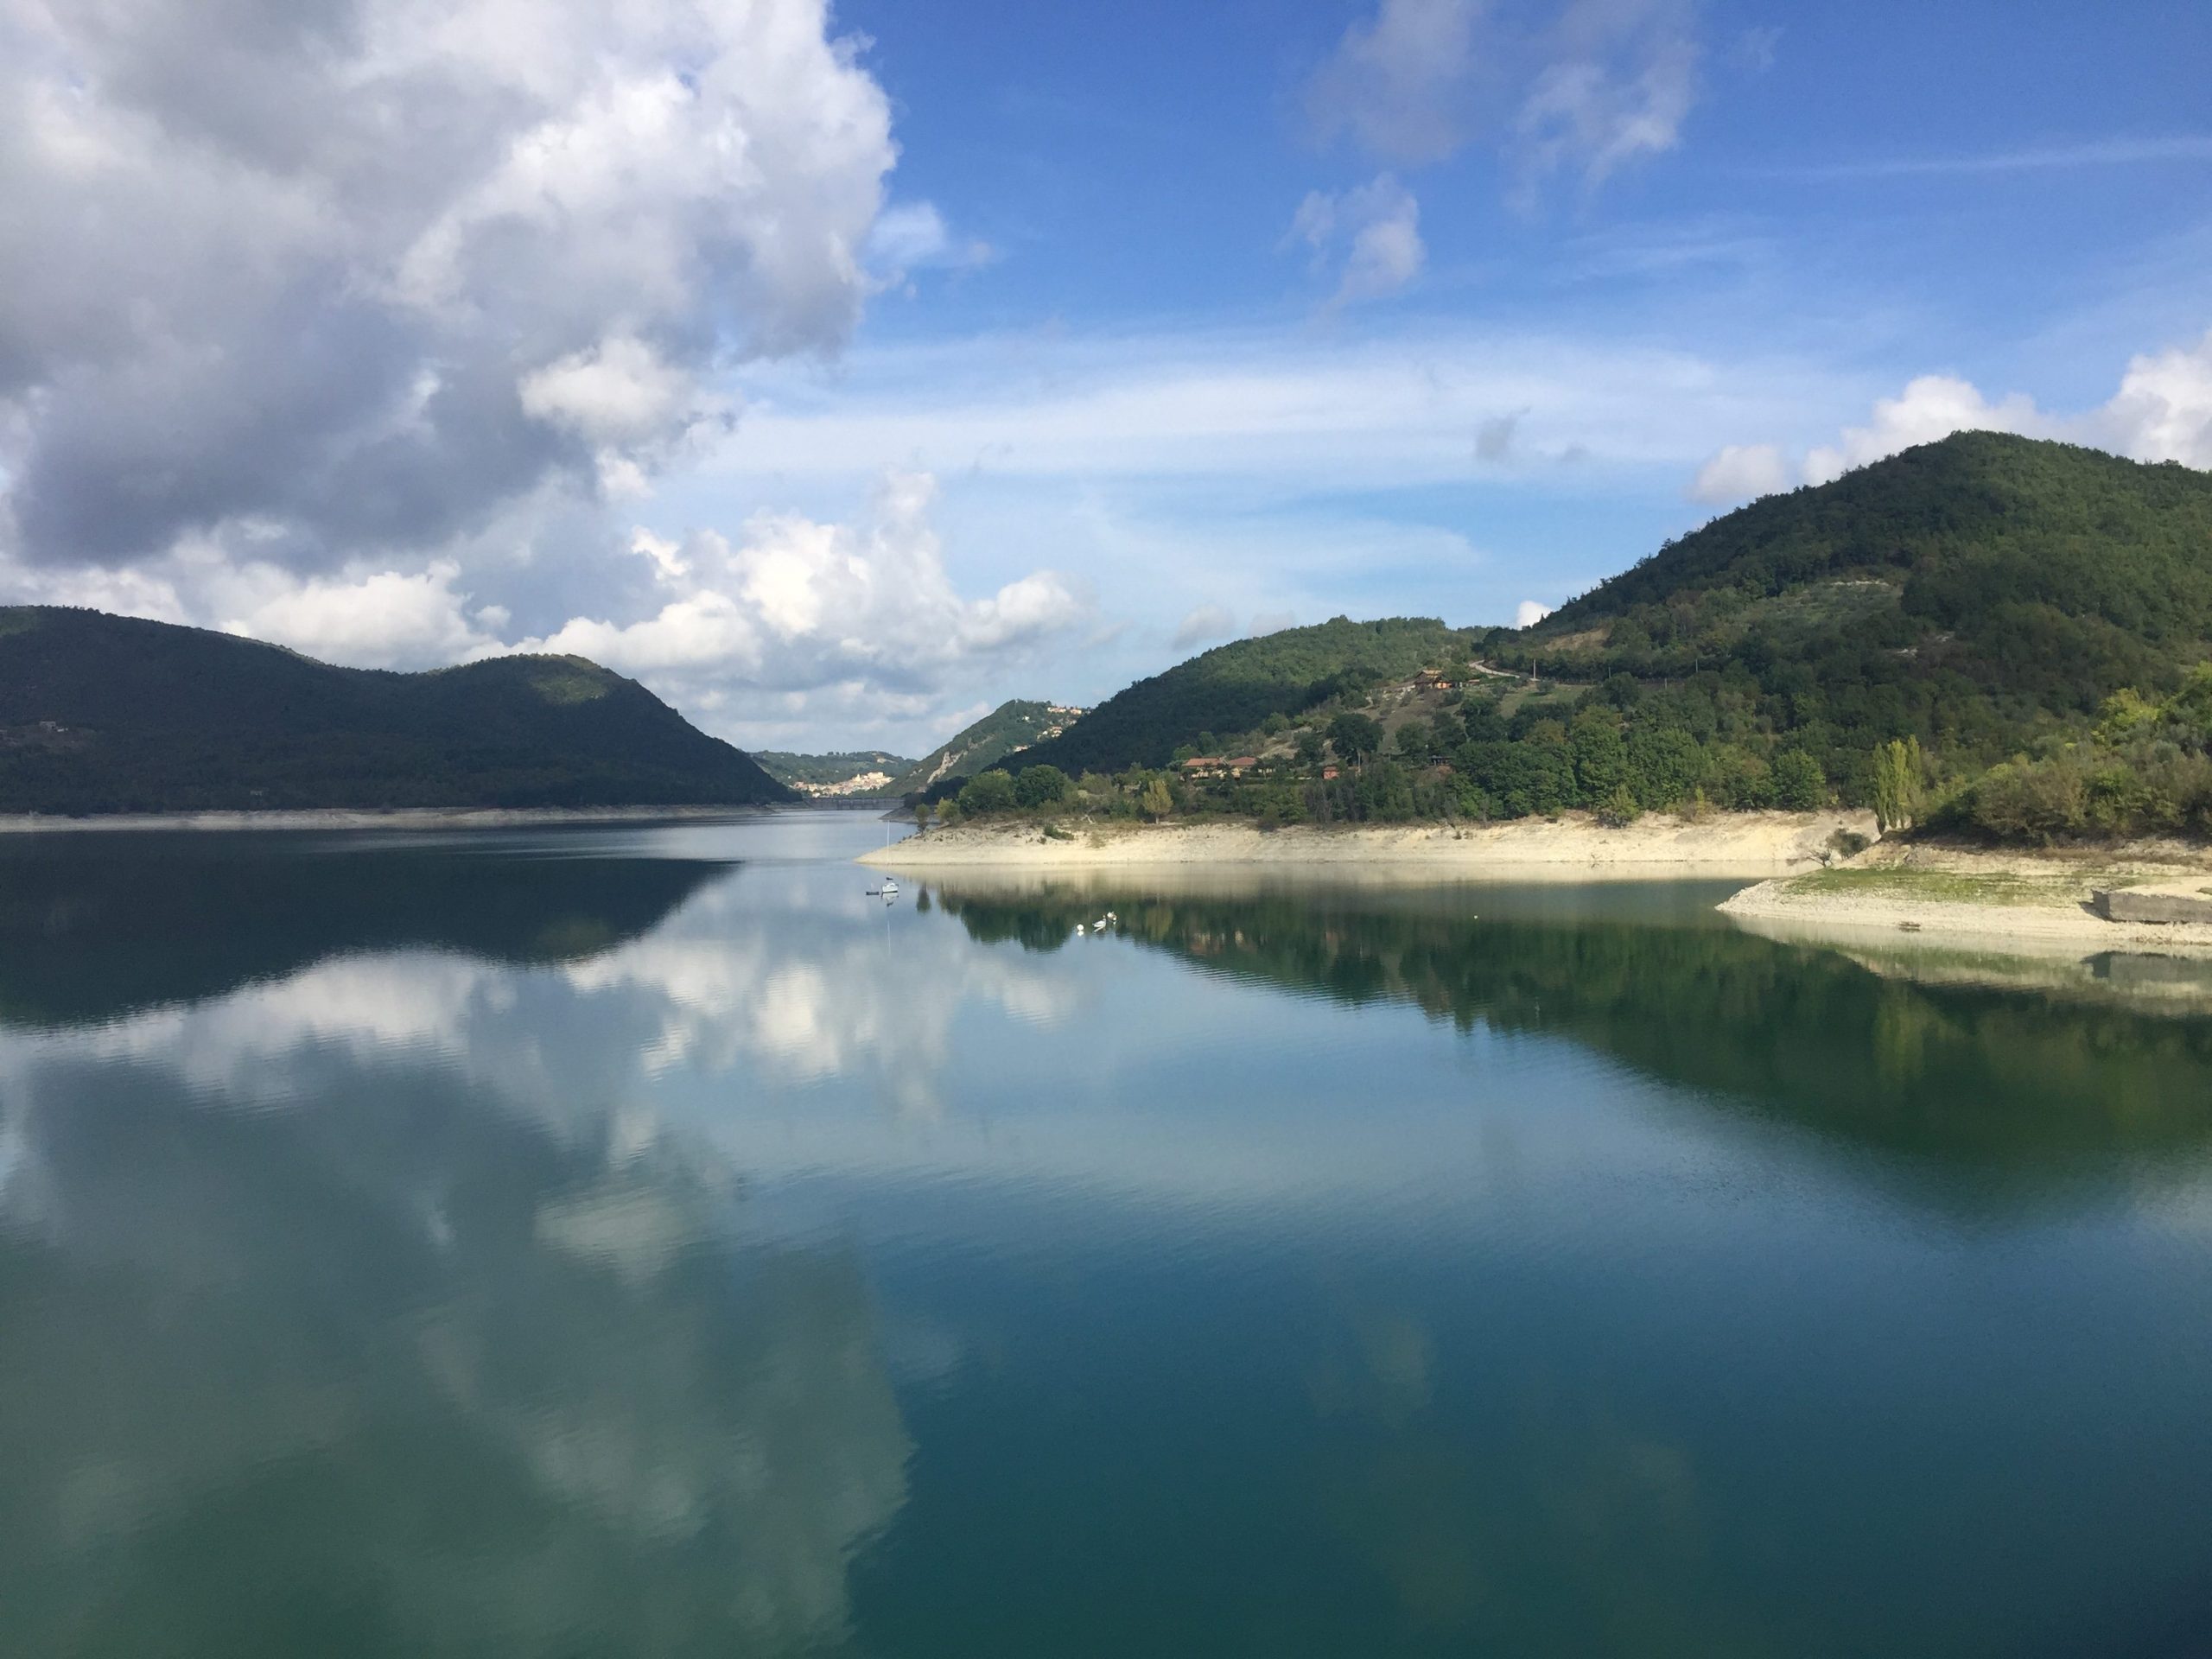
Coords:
2107,152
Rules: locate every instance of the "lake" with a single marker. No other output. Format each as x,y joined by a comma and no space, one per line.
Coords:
641,1240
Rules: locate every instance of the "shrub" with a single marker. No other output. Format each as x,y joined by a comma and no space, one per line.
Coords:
2033,801
1039,786
991,792
1618,810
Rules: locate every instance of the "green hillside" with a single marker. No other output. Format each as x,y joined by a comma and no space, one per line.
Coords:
1233,688
803,772
1008,730
1999,633
2042,575
108,714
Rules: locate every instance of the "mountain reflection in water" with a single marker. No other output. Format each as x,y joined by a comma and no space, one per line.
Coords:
1983,1077
642,1241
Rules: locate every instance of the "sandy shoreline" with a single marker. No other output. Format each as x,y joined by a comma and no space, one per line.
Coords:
2013,903
1654,847
398,817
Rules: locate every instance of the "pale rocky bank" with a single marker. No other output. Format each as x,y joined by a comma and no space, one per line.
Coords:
2012,901
1656,847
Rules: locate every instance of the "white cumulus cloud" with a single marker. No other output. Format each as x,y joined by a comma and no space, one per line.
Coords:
381,621
2162,411
1742,471
1932,406
417,258
1528,612
791,605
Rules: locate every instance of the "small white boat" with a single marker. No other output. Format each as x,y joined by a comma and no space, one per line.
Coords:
888,889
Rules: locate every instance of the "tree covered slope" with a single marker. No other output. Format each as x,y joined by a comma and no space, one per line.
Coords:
107,713
1010,729
1232,688
1966,585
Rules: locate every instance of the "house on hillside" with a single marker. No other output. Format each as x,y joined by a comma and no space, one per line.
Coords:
1435,679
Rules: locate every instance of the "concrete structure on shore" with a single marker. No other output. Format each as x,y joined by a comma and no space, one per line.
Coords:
2164,903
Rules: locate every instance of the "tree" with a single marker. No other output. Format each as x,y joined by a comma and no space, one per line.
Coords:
992,791
1355,737
1600,755
1898,770
1897,784
1310,749
1484,724
1416,742
919,805
1799,784
1040,787
1155,801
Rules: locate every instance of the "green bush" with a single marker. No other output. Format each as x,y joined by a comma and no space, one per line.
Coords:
986,793
1039,786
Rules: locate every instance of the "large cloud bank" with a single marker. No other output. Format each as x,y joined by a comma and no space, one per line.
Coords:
316,317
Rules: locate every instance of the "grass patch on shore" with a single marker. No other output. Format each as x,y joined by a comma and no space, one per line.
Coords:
1944,887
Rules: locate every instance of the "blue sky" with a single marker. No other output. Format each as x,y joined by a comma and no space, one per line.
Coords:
898,359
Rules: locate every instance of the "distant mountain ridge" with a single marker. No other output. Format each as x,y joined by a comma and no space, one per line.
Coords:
110,713
1011,728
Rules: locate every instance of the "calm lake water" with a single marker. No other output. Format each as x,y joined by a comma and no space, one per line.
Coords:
640,1242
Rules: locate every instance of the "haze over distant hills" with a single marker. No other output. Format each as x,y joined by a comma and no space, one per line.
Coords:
109,713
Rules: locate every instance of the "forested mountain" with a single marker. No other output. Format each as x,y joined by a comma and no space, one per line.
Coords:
2005,634
1233,688
1956,589
1010,729
109,713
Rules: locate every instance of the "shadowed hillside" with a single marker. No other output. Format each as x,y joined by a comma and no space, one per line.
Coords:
108,714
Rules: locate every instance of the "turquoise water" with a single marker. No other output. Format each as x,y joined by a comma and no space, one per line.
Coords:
642,1241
